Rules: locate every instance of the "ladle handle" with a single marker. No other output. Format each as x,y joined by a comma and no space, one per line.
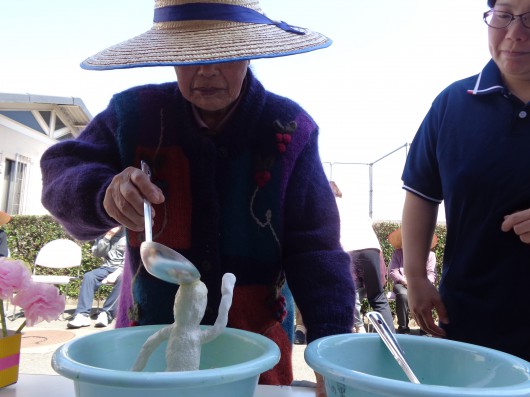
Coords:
148,219
391,343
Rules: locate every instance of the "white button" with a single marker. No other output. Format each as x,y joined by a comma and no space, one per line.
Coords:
522,114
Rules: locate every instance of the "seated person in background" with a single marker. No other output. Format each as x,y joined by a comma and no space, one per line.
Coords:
400,280
110,247
4,218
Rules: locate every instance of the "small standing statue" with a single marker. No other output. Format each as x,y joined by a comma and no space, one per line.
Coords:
184,336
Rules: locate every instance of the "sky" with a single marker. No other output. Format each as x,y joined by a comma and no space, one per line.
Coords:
368,91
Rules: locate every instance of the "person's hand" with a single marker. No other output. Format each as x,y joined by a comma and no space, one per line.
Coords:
423,297
519,222
112,232
124,197
111,278
321,389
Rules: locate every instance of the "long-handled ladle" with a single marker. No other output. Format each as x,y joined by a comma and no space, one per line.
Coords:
391,343
159,260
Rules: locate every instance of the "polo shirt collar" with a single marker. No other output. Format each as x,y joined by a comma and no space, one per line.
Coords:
488,81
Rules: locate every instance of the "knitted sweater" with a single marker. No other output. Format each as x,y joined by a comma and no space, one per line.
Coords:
253,200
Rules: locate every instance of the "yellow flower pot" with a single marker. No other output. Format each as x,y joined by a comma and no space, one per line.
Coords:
9,358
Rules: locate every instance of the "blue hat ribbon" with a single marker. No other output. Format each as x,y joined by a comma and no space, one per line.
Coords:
218,12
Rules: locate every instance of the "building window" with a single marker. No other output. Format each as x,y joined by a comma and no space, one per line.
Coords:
13,186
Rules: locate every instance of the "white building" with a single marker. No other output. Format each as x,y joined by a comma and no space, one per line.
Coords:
29,124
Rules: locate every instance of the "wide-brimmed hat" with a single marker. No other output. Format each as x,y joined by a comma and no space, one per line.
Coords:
190,32
4,218
395,239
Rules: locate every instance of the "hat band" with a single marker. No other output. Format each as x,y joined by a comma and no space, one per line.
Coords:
217,12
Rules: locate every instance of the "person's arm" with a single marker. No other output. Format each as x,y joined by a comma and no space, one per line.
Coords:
75,175
102,246
382,268
419,221
317,268
86,187
431,267
396,268
113,277
4,251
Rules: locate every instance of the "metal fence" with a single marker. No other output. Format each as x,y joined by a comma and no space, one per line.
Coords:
374,188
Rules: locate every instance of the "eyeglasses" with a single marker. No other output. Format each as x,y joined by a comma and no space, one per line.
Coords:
500,19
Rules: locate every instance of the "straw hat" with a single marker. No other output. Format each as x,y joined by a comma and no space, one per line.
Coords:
4,218
395,239
187,32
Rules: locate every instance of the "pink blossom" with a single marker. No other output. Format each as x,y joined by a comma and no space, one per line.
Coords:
14,276
40,302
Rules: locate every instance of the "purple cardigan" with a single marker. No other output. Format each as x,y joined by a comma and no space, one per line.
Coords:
253,200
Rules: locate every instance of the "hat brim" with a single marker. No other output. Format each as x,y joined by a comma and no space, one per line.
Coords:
205,43
395,239
4,218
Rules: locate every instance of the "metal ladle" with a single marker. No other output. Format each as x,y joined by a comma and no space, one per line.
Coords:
392,344
159,260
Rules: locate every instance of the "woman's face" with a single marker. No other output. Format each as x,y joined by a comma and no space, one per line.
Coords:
510,47
213,87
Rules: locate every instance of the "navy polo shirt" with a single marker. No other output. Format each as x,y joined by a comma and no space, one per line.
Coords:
472,151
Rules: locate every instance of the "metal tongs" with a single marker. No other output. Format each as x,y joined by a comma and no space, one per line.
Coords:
392,344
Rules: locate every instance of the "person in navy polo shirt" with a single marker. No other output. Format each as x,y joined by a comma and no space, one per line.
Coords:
472,152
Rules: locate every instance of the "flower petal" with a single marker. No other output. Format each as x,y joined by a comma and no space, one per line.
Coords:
40,302
14,276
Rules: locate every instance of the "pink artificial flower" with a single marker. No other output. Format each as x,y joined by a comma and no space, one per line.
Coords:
40,302
14,276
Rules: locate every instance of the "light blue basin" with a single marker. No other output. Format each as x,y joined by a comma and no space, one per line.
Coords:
360,365
99,365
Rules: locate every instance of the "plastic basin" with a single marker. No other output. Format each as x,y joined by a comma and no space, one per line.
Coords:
356,365
99,364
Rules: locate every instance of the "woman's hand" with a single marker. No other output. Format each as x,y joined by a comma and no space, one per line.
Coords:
423,297
519,222
124,197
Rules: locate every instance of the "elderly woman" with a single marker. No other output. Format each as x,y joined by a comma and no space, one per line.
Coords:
237,184
472,153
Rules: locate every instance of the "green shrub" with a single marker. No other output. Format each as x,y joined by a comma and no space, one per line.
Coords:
27,234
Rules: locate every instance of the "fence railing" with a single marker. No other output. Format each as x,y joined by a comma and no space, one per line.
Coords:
389,183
